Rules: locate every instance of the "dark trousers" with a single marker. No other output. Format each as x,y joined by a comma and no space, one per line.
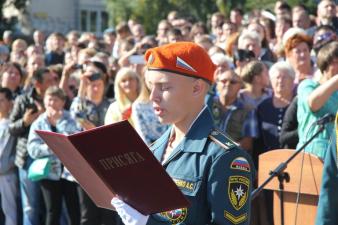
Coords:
93,215
53,194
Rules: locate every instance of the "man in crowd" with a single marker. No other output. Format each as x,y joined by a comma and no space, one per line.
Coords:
27,108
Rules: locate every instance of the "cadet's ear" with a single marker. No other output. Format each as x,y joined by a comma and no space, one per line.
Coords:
199,87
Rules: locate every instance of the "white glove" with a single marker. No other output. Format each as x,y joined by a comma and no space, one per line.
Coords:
128,214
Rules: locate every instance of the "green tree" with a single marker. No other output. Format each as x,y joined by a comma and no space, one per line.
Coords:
150,12
7,24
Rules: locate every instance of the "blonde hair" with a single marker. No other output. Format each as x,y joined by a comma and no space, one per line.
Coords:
120,96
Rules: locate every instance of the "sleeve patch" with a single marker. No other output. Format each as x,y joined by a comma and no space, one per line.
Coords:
235,219
240,163
238,188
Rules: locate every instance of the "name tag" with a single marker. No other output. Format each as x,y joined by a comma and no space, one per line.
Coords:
185,185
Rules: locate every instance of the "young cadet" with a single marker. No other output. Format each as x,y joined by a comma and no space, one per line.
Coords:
328,199
213,173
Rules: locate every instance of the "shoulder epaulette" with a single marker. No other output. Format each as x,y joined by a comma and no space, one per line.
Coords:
336,139
222,139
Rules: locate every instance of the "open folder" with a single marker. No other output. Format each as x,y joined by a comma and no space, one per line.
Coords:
113,160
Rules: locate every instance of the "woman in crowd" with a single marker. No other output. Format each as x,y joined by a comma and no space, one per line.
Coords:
256,78
89,108
316,98
58,184
11,77
127,88
297,51
143,116
270,112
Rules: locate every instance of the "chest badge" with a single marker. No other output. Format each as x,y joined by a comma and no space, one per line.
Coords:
238,188
176,216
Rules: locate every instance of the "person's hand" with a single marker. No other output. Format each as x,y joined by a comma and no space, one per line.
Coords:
86,124
69,68
31,114
128,214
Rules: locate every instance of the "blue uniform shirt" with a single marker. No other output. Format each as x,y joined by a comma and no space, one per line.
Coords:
216,180
328,199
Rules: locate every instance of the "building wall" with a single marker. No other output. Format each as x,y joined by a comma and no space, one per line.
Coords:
62,16
51,15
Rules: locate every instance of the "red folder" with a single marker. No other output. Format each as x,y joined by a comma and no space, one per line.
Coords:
113,160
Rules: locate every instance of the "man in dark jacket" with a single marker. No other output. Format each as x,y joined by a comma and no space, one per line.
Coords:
27,108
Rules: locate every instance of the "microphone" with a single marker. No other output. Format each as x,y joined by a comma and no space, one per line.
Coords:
327,118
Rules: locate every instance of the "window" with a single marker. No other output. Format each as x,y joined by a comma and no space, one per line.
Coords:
93,21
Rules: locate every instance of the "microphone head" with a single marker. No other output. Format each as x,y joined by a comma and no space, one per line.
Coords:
327,118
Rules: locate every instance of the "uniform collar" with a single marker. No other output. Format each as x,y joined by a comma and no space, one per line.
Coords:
197,136
194,141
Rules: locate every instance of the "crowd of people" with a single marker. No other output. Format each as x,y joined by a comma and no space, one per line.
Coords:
275,77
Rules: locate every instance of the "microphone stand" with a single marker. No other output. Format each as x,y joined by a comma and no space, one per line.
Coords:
283,176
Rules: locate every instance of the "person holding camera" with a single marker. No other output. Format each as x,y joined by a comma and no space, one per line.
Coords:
27,107
89,108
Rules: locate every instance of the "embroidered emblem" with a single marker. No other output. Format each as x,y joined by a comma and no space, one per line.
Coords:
180,63
240,163
337,139
176,216
185,185
235,219
238,188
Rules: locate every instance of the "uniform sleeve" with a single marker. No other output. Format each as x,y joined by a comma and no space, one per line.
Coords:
328,199
229,188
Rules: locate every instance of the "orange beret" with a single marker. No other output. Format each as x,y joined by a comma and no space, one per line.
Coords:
184,58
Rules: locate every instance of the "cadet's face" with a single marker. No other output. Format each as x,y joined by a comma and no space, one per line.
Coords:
171,95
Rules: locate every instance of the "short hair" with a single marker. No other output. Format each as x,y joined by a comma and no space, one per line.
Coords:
7,92
17,66
88,51
38,74
219,58
243,55
282,66
57,35
293,41
122,27
57,92
252,69
239,10
285,6
326,55
249,35
175,32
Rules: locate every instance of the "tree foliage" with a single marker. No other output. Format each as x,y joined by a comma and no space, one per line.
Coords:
150,12
7,24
